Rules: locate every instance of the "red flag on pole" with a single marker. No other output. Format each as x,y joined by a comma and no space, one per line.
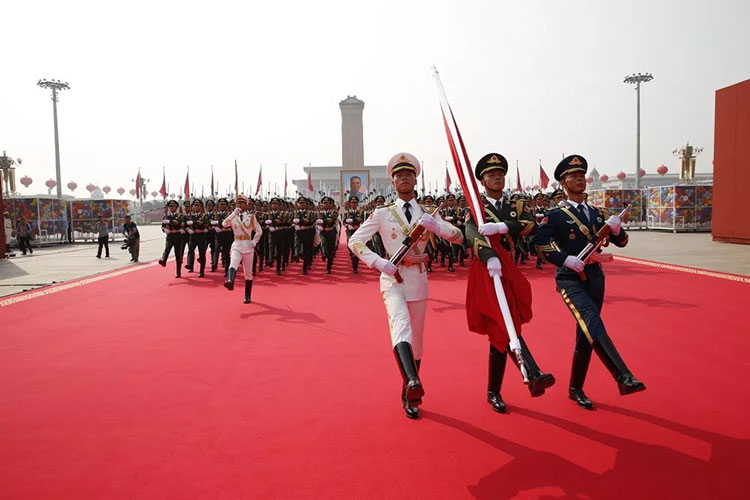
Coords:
518,179
236,179
309,179
212,181
447,179
543,179
260,180
187,185
163,190
285,184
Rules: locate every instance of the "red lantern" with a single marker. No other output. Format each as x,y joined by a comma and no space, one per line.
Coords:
604,177
622,176
554,184
154,194
643,172
133,191
171,195
536,186
589,179
106,189
72,186
26,181
120,190
50,183
90,187
662,170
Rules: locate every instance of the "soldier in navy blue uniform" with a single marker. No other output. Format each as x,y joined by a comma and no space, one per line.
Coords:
510,220
561,237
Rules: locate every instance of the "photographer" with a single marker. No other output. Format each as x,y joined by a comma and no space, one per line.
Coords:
133,238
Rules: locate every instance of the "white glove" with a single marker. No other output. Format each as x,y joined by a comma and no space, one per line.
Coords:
491,228
350,227
602,257
218,229
189,223
319,221
182,231
614,223
429,223
296,221
271,228
165,221
386,266
166,231
214,223
269,221
449,218
574,263
349,221
494,268
237,211
297,228
190,231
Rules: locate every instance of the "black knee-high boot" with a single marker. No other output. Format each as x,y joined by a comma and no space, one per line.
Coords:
495,373
538,381
581,359
248,290
229,283
412,390
626,382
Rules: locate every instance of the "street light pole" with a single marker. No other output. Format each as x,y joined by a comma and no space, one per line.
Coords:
55,86
637,79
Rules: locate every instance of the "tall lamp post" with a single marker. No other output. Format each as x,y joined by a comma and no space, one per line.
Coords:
637,79
55,86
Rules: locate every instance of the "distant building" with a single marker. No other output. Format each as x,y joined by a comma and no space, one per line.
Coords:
327,180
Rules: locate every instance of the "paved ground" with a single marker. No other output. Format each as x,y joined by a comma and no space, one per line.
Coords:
63,263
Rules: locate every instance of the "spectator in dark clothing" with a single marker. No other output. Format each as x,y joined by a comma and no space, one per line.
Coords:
23,235
133,238
103,230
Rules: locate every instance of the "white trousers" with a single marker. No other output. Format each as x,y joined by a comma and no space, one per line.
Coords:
405,319
236,256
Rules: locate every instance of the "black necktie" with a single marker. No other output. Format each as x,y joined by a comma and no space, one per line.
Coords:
407,211
582,211
499,205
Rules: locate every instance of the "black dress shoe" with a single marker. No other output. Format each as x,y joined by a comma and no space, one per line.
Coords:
628,384
494,399
539,265
412,412
538,385
580,398
450,268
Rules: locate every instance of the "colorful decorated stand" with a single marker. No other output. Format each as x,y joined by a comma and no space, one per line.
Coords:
680,208
614,200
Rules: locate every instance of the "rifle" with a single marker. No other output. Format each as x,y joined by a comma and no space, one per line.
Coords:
409,242
600,239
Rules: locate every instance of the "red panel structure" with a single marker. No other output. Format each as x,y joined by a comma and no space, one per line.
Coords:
731,163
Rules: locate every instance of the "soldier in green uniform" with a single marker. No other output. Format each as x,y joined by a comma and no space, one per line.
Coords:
376,243
539,210
224,237
187,209
304,225
275,222
198,225
327,220
503,218
172,225
562,236
211,229
353,218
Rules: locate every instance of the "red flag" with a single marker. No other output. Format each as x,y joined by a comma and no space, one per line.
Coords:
163,190
447,180
309,180
138,181
236,179
212,181
543,179
518,179
483,312
260,180
285,180
187,185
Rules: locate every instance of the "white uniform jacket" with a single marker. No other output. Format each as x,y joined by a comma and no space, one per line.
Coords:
243,226
391,223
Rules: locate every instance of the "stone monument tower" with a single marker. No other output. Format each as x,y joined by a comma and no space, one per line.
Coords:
352,148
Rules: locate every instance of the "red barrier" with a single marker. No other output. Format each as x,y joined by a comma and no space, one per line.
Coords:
732,164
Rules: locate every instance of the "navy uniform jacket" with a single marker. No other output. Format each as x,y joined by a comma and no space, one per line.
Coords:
560,235
519,221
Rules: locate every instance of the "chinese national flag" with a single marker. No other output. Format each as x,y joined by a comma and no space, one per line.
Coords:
447,180
482,309
187,186
518,179
260,180
309,180
163,190
543,179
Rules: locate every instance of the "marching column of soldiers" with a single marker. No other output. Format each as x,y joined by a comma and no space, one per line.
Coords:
550,227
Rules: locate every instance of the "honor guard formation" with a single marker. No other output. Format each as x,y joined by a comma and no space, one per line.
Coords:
407,237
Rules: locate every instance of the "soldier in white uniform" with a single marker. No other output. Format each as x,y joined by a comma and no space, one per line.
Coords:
405,303
243,224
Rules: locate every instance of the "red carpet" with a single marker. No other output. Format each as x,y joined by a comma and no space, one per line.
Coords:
144,386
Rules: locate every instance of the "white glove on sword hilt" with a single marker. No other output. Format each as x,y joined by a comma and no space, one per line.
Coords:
614,223
385,266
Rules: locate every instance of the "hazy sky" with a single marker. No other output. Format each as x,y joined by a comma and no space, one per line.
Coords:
182,83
